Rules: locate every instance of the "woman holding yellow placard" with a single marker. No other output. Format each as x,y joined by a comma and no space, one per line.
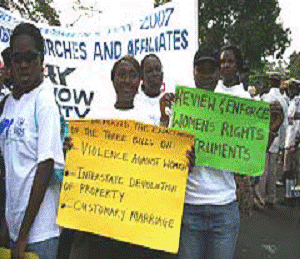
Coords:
125,76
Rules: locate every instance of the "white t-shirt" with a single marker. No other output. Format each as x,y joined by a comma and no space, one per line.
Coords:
293,125
236,90
24,145
207,186
286,98
149,107
117,114
275,95
3,92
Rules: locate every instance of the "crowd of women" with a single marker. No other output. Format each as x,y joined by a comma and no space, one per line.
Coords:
32,150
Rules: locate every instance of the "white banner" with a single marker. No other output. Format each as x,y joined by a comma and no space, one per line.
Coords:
79,63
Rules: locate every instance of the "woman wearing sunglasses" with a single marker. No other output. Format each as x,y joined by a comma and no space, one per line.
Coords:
31,146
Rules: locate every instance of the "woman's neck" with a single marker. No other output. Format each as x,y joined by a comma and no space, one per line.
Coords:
231,82
124,105
152,93
19,91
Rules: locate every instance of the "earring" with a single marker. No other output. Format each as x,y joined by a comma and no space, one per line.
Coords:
163,89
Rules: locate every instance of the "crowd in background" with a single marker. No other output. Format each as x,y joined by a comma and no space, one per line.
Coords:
32,150
282,160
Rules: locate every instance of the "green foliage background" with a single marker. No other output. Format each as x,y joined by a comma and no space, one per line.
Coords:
34,10
251,24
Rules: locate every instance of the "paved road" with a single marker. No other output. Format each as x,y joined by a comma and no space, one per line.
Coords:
270,234
266,234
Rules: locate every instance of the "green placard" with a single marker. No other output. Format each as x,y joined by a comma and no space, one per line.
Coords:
231,133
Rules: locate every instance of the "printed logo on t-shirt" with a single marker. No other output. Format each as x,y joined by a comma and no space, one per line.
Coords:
19,129
152,117
5,124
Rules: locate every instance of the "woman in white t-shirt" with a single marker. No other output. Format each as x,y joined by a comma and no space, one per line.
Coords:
231,63
210,221
125,77
151,90
31,145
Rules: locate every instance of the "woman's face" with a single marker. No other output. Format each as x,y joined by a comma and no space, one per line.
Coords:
206,75
229,66
152,75
26,66
126,81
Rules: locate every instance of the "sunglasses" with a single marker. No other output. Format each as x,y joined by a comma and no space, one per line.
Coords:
28,56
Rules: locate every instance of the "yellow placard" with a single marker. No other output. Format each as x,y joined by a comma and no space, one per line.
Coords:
5,254
126,180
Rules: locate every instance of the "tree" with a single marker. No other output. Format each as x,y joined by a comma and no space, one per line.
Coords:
3,4
295,65
34,10
251,24
84,10
161,2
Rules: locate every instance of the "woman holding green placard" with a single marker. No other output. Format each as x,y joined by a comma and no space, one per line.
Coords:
231,63
210,221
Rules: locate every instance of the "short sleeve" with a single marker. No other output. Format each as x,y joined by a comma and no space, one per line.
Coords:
49,128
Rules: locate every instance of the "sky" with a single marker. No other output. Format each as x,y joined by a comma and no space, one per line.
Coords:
121,8
290,18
